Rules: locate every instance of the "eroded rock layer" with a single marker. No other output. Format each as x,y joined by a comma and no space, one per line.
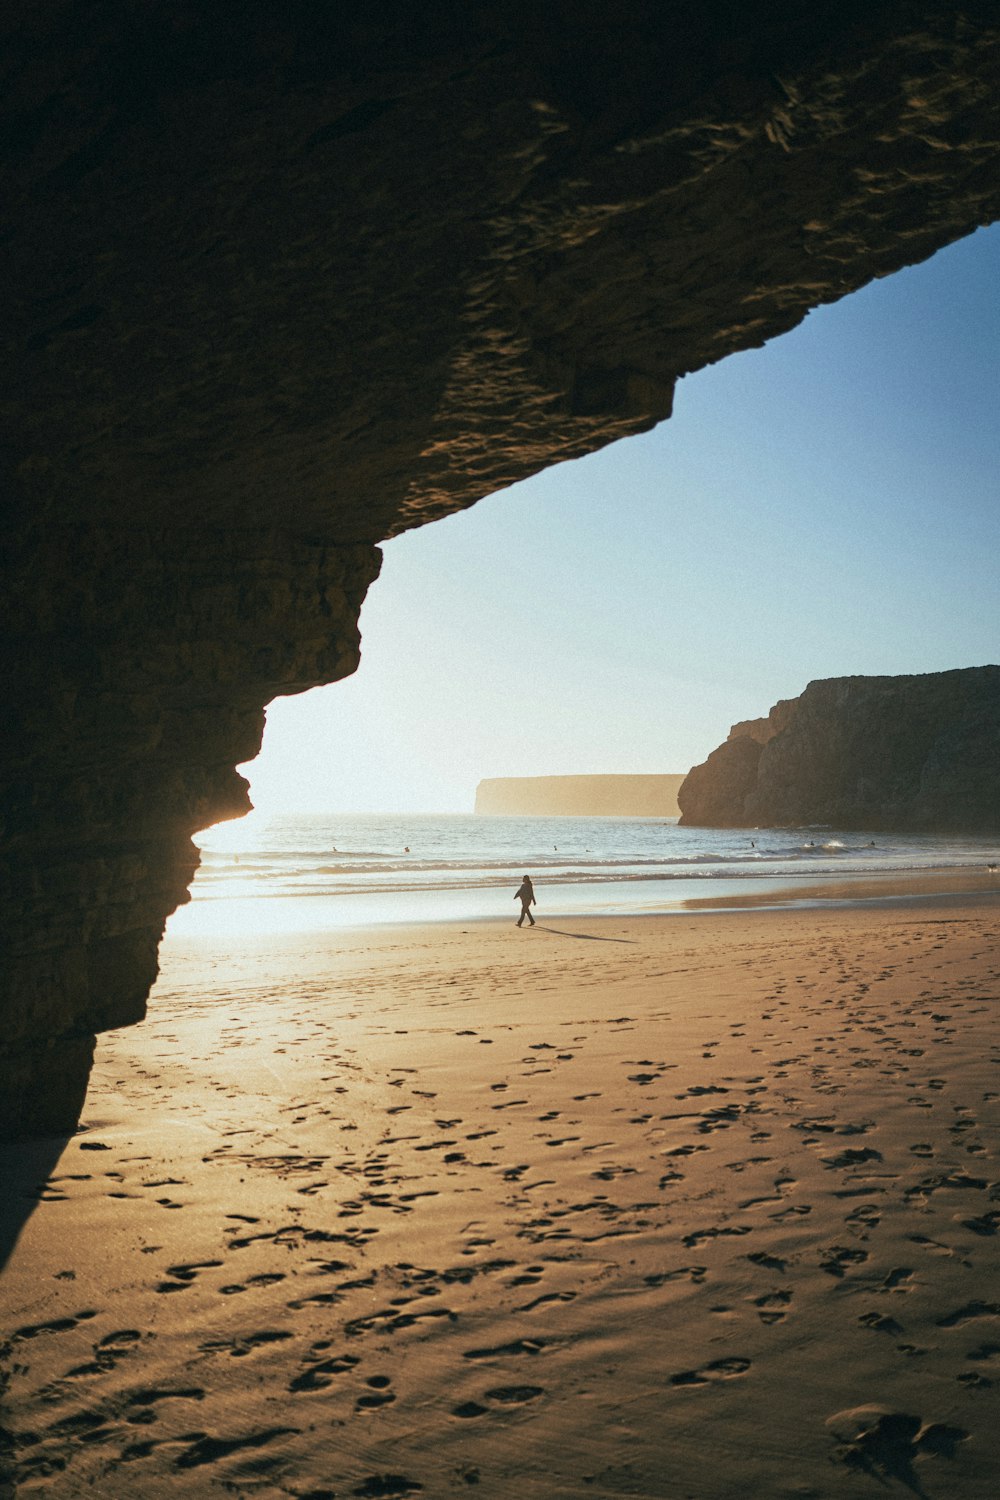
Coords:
918,753
283,281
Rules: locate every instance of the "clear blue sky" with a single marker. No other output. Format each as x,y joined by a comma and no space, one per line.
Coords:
824,506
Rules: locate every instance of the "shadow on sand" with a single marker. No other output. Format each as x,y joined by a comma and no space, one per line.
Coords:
586,937
25,1168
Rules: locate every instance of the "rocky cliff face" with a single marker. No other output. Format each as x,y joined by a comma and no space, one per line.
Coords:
124,743
283,281
914,753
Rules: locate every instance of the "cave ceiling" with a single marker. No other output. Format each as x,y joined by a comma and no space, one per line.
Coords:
358,270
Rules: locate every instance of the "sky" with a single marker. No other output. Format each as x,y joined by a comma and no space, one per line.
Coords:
824,506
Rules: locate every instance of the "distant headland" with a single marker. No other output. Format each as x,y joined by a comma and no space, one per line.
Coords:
580,796
916,753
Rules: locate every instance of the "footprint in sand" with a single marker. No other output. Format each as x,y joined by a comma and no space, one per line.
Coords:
771,1306
719,1369
668,1178
264,1279
545,1300
866,1216
183,1276
501,1395
531,1276
881,1323
54,1325
928,1185
240,1347
896,1280
986,1225
714,1232
469,1409
985,1353
514,1395
975,1380
377,1486
967,1313
741,1166
851,1158
321,1373
150,1395
107,1352
209,1450
768,1262
885,1444
838,1257
377,1395
660,1278
517,1346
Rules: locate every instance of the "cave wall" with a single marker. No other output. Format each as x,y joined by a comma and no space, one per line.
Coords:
285,281
917,752
123,740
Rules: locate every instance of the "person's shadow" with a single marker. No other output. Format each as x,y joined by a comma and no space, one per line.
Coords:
584,937
25,1168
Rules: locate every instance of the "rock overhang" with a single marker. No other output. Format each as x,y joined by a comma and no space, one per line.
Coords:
288,282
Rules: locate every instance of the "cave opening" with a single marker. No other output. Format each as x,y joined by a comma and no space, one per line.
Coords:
821,507
289,289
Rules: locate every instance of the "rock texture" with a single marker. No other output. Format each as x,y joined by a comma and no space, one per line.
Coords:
126,734
282,281
580,796
906,753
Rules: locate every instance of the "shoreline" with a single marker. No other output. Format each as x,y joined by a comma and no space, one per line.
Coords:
859,890
593,900
407,1209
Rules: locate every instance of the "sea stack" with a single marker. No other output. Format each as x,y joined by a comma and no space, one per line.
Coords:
918,753
580,796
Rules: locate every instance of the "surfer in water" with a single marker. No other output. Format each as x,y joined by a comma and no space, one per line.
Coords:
526,896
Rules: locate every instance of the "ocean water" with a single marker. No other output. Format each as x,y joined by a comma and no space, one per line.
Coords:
328,870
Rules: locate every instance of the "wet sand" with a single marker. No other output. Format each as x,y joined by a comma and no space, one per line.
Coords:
698,1206
892,887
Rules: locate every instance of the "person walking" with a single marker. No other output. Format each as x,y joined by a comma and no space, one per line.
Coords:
526,896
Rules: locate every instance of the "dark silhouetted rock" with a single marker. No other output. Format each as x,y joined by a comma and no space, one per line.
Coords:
905,753
282,281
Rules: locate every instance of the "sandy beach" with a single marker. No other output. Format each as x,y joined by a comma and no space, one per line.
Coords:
701,1206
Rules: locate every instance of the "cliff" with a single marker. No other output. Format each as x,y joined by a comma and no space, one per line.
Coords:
284,281
917,753
580,796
